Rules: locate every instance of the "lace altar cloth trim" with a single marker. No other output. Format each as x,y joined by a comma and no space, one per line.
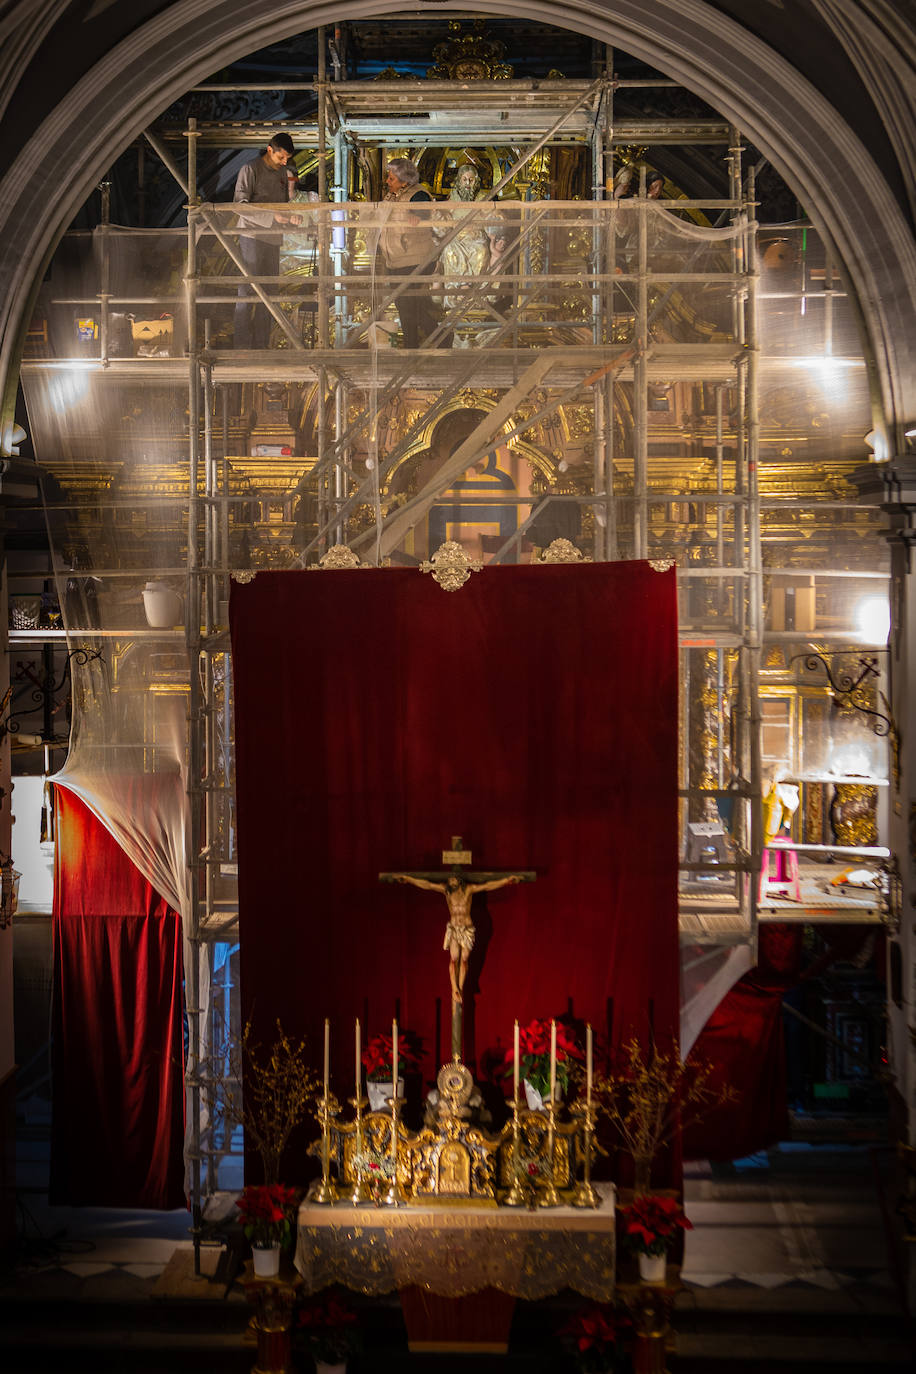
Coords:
454,1251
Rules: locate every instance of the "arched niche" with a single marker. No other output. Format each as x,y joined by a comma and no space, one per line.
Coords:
805,136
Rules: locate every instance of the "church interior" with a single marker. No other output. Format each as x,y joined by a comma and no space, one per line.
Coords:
584,605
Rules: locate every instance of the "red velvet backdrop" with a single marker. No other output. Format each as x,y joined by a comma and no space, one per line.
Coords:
117,1057
534,713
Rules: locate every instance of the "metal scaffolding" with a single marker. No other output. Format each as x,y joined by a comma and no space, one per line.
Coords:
579,313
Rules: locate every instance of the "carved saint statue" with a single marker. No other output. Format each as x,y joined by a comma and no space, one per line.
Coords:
468,253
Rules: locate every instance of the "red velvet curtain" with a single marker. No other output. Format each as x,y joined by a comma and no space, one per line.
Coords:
745,1043
743,1040
117,1056
534,713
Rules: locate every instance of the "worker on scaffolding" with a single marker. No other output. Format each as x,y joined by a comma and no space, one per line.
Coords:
263,181
407,245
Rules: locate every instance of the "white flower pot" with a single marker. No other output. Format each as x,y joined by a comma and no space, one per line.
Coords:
535,1100
652,1268
161,605
266,1261
379,1093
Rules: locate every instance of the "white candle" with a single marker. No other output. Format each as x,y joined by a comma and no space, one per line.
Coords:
327,1055
553,1060
588,1065
515,1066
359,1061
394,1058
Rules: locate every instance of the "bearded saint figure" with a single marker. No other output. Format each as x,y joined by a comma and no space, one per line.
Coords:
468,253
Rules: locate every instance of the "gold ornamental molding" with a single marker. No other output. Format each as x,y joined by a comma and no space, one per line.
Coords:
562,551
338,556
450,566
661,564
243,575
469,56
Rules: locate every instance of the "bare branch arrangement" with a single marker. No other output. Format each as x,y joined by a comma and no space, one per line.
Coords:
651,1097
267,1092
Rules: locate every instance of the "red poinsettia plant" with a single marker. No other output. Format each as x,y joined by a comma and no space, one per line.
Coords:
596,1337
651,1222
327,1327
265,1210
378,1053
534,1055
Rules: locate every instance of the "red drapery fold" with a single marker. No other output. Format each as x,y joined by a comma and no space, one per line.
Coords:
745,1043
534,713
743,1040
117,1056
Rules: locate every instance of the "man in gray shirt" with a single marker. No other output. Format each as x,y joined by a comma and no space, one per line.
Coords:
264,181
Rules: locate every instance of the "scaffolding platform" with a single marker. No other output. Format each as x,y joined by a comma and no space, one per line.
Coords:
431,368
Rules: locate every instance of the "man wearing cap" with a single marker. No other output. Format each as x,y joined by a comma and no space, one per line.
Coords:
263,181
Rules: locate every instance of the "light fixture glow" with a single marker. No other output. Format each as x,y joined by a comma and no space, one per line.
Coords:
873,619
68,387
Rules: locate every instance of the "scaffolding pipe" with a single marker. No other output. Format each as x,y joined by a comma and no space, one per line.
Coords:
192,638
338,249
211,556
324,228
640,386
322,451
224,492
105,273
755,562
342,463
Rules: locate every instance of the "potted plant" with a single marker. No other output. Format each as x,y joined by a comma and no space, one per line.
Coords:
376,1059
596,1338
265,1213
651,1221
327,1328
534,1060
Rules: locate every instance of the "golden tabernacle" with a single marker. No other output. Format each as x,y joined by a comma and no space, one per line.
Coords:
532,1161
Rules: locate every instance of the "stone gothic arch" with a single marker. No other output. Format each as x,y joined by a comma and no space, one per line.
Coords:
118,71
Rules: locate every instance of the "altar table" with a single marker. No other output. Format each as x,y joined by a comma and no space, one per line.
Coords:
450,1252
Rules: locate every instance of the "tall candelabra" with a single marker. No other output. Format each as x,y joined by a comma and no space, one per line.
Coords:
516,1194
323,1190
361,1191
395,1196
547,1194
585,1194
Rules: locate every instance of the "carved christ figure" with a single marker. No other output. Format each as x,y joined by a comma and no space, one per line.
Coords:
459,932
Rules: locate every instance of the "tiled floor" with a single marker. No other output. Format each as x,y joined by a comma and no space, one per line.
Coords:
799,1217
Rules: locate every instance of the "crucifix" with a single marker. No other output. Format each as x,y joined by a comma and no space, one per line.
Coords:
458,886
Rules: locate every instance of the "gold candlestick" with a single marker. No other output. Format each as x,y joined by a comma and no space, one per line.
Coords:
548,1195
360,1192
516,1194
395,1196
585,1194
323,1191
